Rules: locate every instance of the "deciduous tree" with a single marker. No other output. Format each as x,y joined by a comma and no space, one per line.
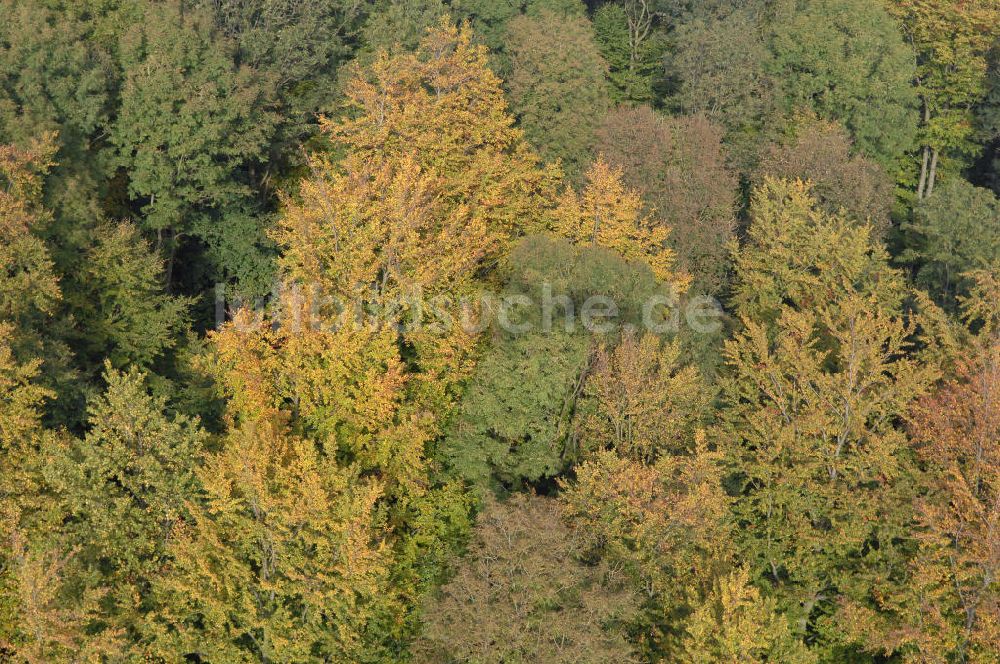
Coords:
558,88
822,153
522,595
951,40
680,167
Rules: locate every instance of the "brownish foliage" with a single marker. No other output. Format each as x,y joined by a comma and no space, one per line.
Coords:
521,595
679,167
822,152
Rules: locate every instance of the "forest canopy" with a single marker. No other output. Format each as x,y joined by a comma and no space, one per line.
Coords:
500,331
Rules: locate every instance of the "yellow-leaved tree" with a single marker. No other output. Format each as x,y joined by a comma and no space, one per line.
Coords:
321,489
818,379
609,214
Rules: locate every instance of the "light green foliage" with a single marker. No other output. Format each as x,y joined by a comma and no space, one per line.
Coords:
954,230
122,311
953,43
818,378
846,60
796,251
557,86
578,272
122,489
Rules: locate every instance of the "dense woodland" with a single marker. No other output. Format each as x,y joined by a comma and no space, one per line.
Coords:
203,460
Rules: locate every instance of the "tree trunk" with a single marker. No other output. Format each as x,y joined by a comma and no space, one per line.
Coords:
933,173
923,173
927,151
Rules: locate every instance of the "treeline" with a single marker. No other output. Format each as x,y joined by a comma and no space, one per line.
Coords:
331,474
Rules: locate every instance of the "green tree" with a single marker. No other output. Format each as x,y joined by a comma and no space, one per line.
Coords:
513,424
817,381
399,25
952,41
788,255
718,63
296,50
633,43
490,19
191,123
847,61
121,310
558,88
122,490
55,76
955,230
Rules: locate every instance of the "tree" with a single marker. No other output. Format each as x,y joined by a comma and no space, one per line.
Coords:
521,595
557,86
190,123
296,48
951,41
954,231
666,525
822,153
444,108
21,399
719,63
639,401
375,238
490,20
400,25
679,165
57,78
51,626
736,624
947,605
513,422
607,214
795,251
282,562
122,312
817,380
122,490
847,61
30,288
634,45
